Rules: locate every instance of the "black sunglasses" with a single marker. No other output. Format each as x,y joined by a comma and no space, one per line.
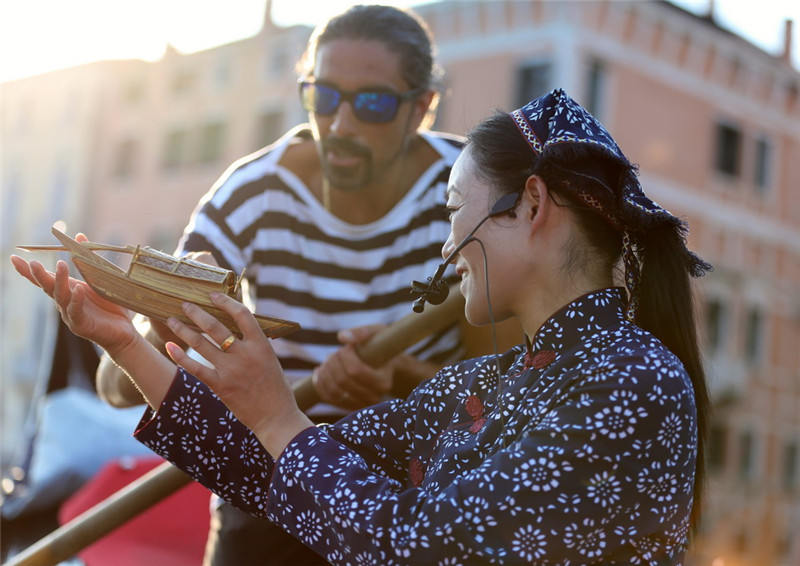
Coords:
368,106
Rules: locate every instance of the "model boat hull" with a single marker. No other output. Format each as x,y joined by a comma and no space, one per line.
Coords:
157,284
160,305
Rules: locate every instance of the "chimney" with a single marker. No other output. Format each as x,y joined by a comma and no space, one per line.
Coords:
788,30
710,13
268,23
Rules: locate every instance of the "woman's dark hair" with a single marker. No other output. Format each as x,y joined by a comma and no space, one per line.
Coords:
666,306
402,31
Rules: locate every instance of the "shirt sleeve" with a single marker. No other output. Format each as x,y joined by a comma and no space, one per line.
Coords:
196,432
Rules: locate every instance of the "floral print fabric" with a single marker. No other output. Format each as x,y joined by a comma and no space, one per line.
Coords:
582,452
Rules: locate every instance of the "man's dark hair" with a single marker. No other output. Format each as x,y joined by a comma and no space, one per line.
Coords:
402,31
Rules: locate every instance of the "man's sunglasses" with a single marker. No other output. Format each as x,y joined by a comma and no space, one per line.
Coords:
368,106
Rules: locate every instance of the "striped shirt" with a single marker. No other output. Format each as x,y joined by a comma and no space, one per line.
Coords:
304,264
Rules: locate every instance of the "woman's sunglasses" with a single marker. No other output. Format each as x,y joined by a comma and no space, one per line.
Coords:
373,107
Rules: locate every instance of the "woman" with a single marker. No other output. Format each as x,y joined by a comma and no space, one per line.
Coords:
581,446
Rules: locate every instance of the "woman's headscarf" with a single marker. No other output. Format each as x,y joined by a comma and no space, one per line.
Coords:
553,124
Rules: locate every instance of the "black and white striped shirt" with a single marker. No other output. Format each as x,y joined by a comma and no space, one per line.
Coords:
305,264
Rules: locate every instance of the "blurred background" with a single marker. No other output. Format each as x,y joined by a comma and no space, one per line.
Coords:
118,117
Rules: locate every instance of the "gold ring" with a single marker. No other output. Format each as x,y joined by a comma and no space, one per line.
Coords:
227,343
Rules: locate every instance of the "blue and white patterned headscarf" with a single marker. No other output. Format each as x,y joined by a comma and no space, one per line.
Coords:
553,121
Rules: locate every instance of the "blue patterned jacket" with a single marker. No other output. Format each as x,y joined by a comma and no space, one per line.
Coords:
582,452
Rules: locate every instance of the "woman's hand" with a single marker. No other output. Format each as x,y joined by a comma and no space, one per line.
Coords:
344,379
246,376
86,313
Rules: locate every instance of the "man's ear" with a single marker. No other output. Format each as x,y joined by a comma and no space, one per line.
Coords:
422,105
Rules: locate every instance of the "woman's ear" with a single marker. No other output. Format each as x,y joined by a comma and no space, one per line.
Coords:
533,197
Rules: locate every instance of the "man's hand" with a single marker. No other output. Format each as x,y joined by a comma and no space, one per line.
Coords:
344,379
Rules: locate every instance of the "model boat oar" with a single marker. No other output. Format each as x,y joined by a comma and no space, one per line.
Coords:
164,480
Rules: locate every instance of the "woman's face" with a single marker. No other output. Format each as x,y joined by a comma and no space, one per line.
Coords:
469,200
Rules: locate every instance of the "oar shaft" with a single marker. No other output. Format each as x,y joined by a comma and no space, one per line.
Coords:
103,518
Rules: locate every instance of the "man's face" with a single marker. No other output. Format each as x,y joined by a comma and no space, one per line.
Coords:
356,154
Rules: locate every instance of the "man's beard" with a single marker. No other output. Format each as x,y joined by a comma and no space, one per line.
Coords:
346,178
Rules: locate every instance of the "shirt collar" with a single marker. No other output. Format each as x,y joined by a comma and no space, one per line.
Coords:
571,323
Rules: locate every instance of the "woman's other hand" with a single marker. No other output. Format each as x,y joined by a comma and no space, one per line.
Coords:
246,376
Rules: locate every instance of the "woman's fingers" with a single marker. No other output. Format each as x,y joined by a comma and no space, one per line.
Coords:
180,357
41,277
21,266
243,318
191,337
61,291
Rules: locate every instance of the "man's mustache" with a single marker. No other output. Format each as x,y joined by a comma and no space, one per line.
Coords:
346,146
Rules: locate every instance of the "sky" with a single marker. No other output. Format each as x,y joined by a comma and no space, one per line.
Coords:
37,36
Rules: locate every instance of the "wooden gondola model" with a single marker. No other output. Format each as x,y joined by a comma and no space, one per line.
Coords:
156,284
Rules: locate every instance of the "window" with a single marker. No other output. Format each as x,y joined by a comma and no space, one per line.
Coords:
278,61
224,71
175,149
126,159
716,446
533,81
715,324
790,465
761,166
746,455
728,150
183,81
753,335
134,91
595,85
211,141
270,128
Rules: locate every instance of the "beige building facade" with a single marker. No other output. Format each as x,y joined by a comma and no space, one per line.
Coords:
712,121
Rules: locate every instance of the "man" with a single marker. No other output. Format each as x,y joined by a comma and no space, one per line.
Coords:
331,224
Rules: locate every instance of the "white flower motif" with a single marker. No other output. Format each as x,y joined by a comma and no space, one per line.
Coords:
405,539
540,474
309,527
670,430
617,421
604,488
529,543
659,485
186,411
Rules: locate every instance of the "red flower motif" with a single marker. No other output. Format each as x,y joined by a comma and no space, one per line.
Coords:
416,470
540,359
474,407
476,426
475,410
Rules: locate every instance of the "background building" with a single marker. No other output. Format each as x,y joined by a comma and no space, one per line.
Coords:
127,148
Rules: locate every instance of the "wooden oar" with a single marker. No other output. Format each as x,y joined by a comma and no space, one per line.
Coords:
165,479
